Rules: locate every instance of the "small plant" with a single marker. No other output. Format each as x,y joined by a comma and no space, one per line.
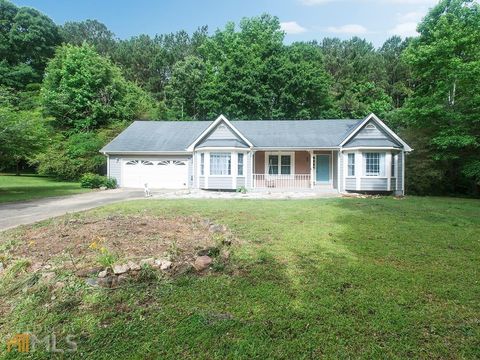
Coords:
95,181
242,189
105,257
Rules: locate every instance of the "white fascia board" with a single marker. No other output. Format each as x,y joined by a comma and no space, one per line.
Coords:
221,118
294,148
369,148
375,118
148,152
222,149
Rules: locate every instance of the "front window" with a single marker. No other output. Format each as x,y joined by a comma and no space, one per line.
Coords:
220,164
202,164
279,164
394,159
240,164
372,164
351,164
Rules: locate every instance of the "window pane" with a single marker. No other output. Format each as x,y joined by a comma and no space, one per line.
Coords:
351,164
273,164
286,167
240,164
220,164
372,164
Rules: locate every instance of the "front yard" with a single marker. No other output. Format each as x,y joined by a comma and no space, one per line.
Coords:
30,187
336,278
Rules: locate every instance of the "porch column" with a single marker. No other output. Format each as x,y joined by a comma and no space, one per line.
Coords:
311,168
388,170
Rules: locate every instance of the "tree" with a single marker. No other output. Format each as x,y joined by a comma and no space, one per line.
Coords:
445,63
92,32
27,41
22,135
83,91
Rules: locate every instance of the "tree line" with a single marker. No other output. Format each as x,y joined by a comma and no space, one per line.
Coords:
67,90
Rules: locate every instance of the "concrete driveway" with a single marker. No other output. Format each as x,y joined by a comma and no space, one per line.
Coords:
27,212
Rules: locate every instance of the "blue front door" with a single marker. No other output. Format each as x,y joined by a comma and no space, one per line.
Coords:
323,169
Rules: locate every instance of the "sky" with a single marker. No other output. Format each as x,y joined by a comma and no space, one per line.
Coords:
302,20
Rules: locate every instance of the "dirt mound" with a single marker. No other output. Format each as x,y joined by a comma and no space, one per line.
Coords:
79,240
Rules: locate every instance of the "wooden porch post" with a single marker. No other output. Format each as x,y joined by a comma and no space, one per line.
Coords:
311,169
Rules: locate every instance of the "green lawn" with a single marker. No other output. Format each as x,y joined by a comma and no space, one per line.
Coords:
336,278
29,187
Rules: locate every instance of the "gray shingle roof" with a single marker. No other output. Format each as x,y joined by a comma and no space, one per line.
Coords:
146,136
295,133
176,136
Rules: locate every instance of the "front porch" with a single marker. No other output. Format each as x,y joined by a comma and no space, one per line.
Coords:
313,169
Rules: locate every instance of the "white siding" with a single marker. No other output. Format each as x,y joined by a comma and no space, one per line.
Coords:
220,182
115,168
371,133
374,184
222,131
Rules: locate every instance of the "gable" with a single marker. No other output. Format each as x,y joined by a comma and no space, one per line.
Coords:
372,134
221,132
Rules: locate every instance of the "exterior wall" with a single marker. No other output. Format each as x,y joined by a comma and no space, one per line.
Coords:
220,182
222,131
190,173
115,163
115,169
302,162
374,184
376,133
350,184
241,181
259,162
249,170
341,186
202,182
335,169
400,170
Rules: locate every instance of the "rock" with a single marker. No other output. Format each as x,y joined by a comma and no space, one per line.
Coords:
166,265
48,276
102,274
149,261
202,262
216,228
133,266
227,241
158,263
122,279
121,269
103,188
91,282
2,268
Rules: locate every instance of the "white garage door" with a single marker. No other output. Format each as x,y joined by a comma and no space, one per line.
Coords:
161,174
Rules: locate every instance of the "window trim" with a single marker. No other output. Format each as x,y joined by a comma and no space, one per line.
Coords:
365,168
210,163
280,153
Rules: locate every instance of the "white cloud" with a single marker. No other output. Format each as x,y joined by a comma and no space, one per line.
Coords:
413,16
411,2
353,29
405,29
292,27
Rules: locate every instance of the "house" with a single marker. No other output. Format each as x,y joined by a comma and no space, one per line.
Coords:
326,155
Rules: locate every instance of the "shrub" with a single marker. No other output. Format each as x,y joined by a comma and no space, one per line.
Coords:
94,181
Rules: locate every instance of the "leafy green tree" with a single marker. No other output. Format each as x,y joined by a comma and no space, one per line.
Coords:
90,31
445,63
27,41
22,135
83,91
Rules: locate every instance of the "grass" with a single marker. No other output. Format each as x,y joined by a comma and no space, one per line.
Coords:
339,278
29,187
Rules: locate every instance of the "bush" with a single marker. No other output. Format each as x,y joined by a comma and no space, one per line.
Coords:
94,181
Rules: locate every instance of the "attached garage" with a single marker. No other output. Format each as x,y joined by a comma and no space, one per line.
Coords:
158,174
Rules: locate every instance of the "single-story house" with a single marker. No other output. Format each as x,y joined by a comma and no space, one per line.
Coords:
338,155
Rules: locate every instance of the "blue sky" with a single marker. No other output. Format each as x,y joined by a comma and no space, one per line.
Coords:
375,20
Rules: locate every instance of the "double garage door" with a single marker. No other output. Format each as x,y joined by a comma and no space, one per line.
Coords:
159,174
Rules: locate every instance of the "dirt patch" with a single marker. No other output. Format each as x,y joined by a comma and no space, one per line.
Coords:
80,241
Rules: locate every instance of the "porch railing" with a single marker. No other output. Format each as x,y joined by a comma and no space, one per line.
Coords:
293,181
